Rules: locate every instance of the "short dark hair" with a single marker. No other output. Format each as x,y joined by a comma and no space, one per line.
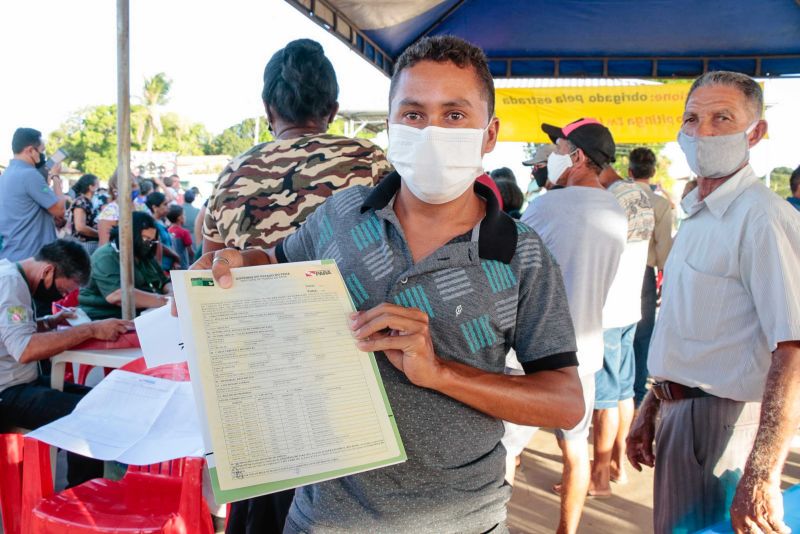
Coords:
155,199
174,213
443,48
69,258
794,180
744,83
140,221
511,194
25,137
642,163
300,83
146,186
590,163
84,183
188,196
503,173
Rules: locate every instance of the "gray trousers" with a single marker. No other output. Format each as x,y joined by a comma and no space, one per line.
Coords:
702,446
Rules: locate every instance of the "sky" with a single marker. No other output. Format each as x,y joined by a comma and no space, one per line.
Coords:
215,53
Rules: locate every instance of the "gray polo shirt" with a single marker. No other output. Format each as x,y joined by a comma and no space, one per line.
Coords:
484,294
17,325
25,224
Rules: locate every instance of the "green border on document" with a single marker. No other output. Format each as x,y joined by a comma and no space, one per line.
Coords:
225,496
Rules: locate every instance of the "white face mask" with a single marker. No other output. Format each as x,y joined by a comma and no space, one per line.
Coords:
556,165
716,156
437,164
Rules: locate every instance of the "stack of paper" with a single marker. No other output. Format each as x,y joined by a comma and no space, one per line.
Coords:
131,418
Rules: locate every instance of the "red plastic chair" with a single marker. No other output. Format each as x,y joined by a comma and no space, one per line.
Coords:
125,341
165,497
11,482
171,371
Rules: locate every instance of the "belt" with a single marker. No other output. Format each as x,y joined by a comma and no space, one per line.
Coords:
669,391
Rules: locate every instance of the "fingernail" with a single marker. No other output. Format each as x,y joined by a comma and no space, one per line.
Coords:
225,280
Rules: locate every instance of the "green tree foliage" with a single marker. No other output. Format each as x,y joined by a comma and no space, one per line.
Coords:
90,137
779,181
238,138
155,94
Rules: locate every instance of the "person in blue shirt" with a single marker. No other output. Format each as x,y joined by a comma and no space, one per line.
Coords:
157,203
28,205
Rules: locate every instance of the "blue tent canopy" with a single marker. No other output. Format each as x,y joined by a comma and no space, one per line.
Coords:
576,38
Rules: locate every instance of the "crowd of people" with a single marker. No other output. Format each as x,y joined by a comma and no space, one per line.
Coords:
539,306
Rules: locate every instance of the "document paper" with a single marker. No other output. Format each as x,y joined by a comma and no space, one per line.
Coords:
131,418
160,337
287,397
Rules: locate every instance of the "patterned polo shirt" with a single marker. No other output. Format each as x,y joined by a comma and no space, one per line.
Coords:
266,193
498,288
634,201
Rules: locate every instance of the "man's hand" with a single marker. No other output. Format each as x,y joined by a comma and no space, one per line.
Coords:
220,262
115,297
110,329
403,335
758,507
60,318
643,432
55,179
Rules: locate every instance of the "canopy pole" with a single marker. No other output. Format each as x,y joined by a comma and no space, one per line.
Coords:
124,160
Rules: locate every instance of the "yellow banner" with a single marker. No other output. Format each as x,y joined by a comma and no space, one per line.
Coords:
637,114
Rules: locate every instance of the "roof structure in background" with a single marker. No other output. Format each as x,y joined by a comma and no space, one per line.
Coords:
579,38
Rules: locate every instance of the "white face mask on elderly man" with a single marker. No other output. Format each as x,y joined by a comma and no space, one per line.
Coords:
716,156
437,164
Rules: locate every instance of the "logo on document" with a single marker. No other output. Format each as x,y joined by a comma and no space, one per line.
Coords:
203,282
318,272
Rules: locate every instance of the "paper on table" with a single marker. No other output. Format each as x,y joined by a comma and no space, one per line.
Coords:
159,335
287,398
132,418
80,317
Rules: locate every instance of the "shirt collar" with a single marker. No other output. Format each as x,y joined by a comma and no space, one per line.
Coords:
721,198
497,236
14,162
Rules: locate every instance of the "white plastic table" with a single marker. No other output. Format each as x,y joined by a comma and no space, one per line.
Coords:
114,358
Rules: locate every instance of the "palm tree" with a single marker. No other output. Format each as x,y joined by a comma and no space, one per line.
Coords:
155,95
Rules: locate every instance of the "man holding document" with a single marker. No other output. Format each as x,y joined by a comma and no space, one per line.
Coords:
445,284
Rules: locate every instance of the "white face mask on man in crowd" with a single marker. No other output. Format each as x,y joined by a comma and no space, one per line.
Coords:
716,156
557,164
437,164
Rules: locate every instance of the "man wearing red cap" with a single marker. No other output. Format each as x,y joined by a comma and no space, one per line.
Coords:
585,229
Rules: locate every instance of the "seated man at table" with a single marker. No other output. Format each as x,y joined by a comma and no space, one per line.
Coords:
101,298
26,399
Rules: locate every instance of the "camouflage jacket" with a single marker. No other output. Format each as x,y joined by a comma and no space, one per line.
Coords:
266,193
